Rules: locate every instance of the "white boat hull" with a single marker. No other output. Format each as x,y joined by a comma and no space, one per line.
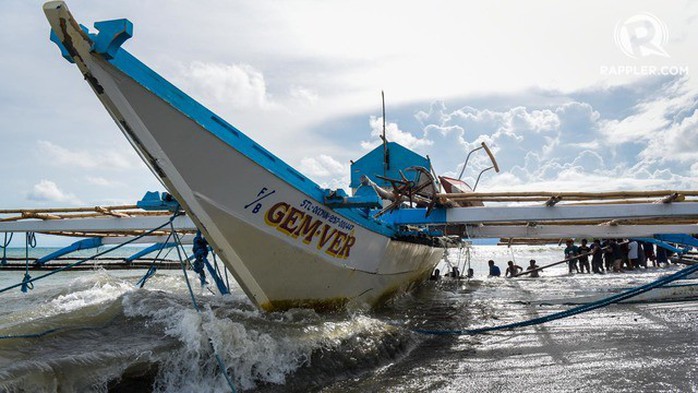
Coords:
283,247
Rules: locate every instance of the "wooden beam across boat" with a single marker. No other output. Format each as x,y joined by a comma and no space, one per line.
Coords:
567,231
129,225
566,195
624,221
488,214
67,209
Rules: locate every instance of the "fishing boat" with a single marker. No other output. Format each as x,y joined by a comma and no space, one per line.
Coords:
287,241
269,223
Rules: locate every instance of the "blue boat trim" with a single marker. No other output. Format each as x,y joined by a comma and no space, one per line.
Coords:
417,216
153,82
374,163
84,244
112,34
678,238
152,200
662,244
148,250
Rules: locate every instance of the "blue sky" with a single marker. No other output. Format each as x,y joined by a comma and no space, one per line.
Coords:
304,79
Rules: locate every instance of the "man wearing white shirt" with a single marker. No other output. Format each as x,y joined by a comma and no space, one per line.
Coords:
632,254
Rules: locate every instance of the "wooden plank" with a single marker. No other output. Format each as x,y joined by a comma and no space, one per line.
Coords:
567,194
578,231
65,209
490,214
91,225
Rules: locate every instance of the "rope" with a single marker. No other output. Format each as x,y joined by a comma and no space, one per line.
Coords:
568,313
80,262
29,241
225,270
153,265
150,273
219,360
5,244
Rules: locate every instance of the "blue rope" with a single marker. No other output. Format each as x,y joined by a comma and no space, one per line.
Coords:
5,244
225,284
150,273
153,268
221,365
99,254
29,241
568,313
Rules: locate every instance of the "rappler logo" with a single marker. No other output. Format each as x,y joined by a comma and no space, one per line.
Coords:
641,35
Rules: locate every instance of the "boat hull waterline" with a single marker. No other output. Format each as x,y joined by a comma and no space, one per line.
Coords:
284,248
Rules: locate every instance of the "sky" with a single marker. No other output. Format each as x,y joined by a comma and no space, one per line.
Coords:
570,96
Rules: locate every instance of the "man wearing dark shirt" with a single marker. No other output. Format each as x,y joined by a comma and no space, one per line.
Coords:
584,259
596,257
571,251
617,255
494,269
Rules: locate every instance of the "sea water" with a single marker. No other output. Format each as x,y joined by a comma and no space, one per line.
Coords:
114,336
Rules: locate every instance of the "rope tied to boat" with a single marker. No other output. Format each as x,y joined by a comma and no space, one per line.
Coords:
568,313
180,251
152,269
150,273
99,254
200,249
5,244
30,241
28,282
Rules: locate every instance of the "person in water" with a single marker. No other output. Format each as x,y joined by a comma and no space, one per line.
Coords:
455,273
494,269
617,255
607,255
512,270
436,276
597,257
584,259
633,255
571,251
532,268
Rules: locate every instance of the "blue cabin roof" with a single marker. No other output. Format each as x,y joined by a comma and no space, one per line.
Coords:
372,164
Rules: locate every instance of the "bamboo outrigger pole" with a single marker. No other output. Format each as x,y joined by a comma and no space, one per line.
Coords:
532,196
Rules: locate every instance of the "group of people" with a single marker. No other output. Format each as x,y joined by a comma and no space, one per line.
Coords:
600,256
454,273
514,269
613,255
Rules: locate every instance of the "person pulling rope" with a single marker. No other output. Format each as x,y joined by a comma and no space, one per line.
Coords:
568,313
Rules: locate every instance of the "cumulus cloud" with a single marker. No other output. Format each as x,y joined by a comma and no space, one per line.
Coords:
240,86
393,134
304,95
677,142
60,155
570,145
323,166
654,114
48,191
100,181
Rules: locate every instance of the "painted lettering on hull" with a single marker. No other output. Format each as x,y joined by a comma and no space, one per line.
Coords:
298,224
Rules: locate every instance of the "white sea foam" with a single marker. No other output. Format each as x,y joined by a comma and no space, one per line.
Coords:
256,347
